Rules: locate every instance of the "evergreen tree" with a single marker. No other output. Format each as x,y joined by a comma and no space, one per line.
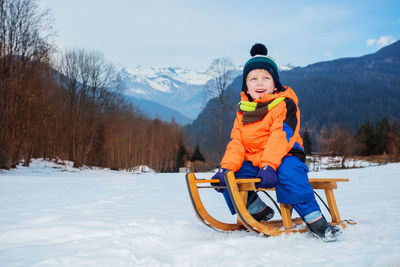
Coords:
181,157
197,154
382,130
365,138
307,143
394,139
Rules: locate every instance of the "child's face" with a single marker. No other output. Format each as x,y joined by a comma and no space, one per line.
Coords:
259,82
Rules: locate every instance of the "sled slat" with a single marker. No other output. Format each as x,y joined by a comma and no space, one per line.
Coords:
247,187
204,181
278,223
323,185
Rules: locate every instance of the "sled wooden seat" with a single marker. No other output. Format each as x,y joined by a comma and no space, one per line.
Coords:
238,188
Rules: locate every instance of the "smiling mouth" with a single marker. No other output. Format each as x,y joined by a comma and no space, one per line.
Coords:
260,91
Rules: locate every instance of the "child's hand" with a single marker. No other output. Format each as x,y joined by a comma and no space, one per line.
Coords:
220,175
268,177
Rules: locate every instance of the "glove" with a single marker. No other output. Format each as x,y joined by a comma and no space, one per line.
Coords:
268,177
220,175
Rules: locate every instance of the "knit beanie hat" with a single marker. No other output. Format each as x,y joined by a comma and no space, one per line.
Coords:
260,60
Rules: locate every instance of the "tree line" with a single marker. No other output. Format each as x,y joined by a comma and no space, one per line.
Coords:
70,108
383,138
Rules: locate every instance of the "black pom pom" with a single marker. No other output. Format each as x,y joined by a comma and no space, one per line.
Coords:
258,49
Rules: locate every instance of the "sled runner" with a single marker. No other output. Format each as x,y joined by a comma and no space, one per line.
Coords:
238,189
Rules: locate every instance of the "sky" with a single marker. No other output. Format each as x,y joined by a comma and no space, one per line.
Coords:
193,33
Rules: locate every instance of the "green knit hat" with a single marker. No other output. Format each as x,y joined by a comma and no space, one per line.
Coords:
260,60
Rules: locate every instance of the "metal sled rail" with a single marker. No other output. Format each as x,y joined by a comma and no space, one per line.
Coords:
238,189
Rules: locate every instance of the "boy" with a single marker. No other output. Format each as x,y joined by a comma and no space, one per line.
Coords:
266,144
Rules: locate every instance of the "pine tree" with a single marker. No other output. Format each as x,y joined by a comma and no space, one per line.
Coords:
197,154
181,156
393,142
382,130
365,138
307,143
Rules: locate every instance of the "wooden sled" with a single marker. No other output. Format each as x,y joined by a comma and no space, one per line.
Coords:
238,189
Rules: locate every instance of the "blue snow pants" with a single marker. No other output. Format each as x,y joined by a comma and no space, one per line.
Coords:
293,187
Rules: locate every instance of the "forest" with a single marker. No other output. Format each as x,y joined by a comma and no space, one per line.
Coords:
69,107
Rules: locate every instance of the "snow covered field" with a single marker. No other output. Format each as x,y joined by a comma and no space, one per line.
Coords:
56,216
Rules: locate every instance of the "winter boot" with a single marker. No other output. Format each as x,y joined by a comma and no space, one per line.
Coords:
321,228
264,215
257,208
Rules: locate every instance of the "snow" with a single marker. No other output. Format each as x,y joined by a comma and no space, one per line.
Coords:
52,215
177,73
316,163
286,67
161,84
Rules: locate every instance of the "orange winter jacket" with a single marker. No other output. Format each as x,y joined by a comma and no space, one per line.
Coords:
268,140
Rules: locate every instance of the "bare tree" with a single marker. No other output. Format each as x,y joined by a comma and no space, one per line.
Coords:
26,31
221,74
77,115
133,140
336,141
91,86
341,144
25,50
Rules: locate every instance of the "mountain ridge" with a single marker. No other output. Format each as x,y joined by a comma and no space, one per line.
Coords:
176,88
345,92
155,110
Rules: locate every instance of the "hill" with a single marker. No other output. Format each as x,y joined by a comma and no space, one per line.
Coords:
348,91
345,92
157,111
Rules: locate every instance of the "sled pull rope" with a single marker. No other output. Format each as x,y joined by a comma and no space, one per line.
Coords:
273,201
326,206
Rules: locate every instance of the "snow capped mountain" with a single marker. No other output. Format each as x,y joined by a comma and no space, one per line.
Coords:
180,74
280,67
177,88
173,88
286,67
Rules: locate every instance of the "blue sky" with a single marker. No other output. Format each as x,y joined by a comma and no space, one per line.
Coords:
192,33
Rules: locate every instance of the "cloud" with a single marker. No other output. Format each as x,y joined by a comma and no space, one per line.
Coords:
385,40
371,42
382,41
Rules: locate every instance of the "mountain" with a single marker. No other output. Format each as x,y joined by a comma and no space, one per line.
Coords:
349,91
155,110
345,92
177,88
